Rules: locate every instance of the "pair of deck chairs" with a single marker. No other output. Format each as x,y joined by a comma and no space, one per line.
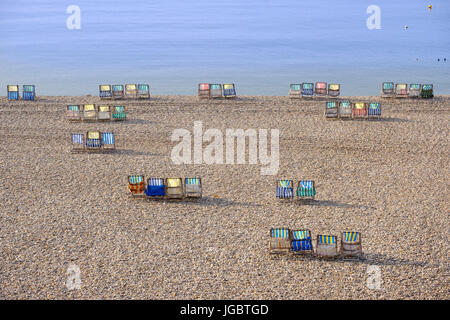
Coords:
93,141
129,91
89,112
168,188
308,89
401,90
215,90
284,240
348,110
28,92
306,190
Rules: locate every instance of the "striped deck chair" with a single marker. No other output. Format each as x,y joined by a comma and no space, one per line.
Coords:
73,113
285,189
119,113
174,188
131,91
215,90
12,91
108,141
280,240
204,90
326,246
414,90
143,91
345,109
387,89
307,90
301,241
401,90
229,90
331,110
104,91
374,110
29,92
351,245
77,142
359,110
334,90
136,185
321,89
89,112
93,141
427,91
193,187
118,91
155,188
295,90
104,113
306,190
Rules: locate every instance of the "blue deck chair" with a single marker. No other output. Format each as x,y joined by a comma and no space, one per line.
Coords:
331,110
215,90
280,240
193,187
387,89
427,91
414,90
93,141
374,110
29,92
295,90
13,91
108,141
118,91
285,189
155,188
73,113
105,91
229,90
326,246
306,190
351,246
345,109
77,142
143,91
301,241
307,90
136,185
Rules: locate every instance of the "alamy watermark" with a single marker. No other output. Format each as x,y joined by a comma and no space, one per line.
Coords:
213,153
374,280
73,22
374,20
73,281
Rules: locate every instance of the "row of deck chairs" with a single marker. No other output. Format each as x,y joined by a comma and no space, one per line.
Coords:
129,91
168,188
28,92
348,110
308,90
306,190
401,90
89,112
283,240
93,141
214,90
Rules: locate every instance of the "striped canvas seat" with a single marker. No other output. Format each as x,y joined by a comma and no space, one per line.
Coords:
295,90
143,91
387,89
13,92
359,110
105,91
326,246
203,90
174,188
285,189
104,113
414,90
306,189
136,184
401,90
93,141
280,240
351,244
321,89
307,89
131,91
77,142
301,241
427,91
108,141
334,90
89,112
118,91
155,187
73,112
229,90
215,90
331,109
119,113
345,109
28,92
374,109
193,187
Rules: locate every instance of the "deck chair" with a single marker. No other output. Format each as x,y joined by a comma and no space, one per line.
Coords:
351,247
301,242
89,112
93,141
427,91
285,189
119,113
118,91
331,110
131,91
204,90
401,90
229,90
307,90
215,90
13,91
387,89
306,190
345,109
295,90
334,90
136,185
108,141
193,187
73,113
105,91
280,240
104,113
29,92
414,90
174,188
143,91
77,142
326,246
155,188
374,110
321,89
359,110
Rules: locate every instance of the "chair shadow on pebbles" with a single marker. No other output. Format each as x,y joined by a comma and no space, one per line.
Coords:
131,152
327,203
221,202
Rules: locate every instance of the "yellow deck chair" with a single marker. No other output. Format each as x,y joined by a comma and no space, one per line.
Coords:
174,188
89,112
